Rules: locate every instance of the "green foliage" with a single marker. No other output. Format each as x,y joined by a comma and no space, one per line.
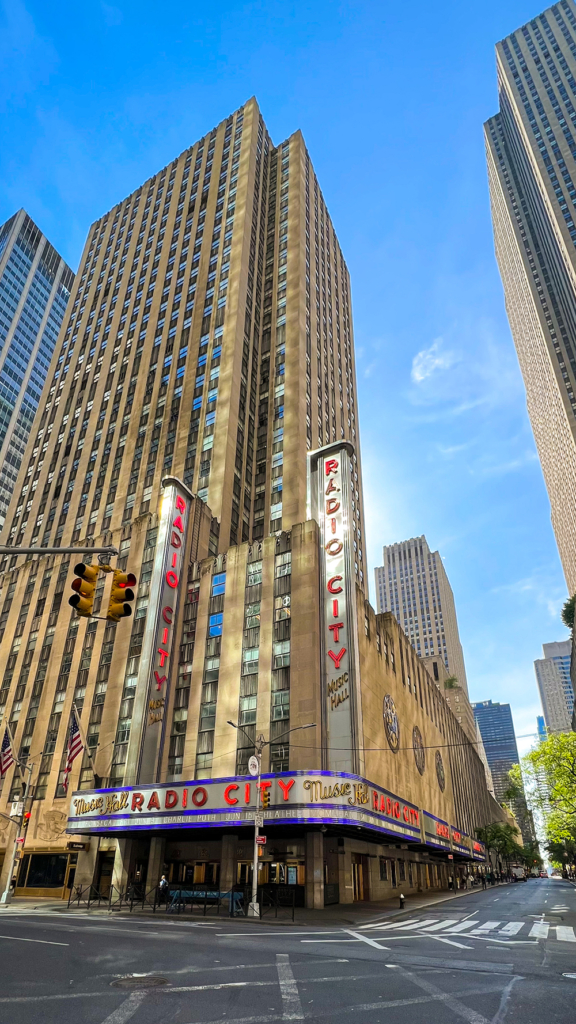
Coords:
501,837
551,768
531,855
568,612
515,787
450,683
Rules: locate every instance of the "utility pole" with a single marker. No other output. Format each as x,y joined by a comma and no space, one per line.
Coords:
259,744
6,896
82,550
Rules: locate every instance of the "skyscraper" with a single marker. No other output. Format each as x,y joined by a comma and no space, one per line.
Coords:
497,731
555,685
413,585
35,286
531,152
200,414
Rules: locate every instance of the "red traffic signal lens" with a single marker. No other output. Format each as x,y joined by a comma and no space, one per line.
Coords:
28,815
76,585
131,581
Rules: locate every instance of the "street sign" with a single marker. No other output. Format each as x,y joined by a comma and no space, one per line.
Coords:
259,820
450,856
261,840
253,765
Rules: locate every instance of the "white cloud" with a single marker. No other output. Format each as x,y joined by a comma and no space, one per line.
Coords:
429,360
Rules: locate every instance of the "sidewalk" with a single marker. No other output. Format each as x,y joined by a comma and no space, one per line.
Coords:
338,915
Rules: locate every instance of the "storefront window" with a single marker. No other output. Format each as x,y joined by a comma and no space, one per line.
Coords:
43,871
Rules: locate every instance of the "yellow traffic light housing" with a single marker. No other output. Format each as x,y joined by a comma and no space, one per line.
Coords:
84,587
266,797
120,594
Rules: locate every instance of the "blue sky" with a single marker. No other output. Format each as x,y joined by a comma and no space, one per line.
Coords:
391,98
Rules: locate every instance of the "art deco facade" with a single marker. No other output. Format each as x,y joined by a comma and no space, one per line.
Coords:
531,152
207,351
35,286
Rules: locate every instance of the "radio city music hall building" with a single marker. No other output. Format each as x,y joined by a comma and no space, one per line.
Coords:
200,414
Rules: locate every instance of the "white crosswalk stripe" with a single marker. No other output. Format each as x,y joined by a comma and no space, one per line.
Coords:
512,928
539,930
474,928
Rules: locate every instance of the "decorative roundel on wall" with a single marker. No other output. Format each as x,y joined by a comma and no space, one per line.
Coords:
440,773
391,723
418,748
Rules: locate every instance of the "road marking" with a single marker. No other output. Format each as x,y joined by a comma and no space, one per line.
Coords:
512,928
411,920
564,933
462,927
126,1009
539,930
449,1000
488,926
45,942
366,938
419,925
288,989
440,926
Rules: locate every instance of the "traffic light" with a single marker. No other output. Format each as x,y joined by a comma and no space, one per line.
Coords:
26,820
265,797
84,587
120,594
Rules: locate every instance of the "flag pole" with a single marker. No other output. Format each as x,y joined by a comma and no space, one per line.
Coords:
6,896
83,738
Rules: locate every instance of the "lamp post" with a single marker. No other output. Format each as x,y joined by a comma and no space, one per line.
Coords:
6,896
259,744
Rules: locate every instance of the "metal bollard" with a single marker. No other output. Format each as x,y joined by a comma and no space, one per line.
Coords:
401,901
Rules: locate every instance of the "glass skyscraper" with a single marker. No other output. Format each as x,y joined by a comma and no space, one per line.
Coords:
35,285
531,153
497,731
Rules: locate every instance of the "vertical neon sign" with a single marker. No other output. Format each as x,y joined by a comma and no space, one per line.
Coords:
169,578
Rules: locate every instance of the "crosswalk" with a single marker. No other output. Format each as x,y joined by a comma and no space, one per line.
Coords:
473,928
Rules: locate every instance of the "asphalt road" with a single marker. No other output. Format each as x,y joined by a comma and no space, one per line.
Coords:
495,957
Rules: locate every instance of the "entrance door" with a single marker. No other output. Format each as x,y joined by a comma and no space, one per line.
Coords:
360,877
104,873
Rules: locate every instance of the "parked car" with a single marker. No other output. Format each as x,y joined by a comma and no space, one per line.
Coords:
543,874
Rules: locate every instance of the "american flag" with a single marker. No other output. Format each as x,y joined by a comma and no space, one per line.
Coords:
75,747
6,756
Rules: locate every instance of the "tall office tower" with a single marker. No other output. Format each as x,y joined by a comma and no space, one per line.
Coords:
555,685
497,731
531,152
35,286
413,585
214,302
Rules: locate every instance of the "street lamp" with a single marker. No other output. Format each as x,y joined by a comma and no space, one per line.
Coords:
259,744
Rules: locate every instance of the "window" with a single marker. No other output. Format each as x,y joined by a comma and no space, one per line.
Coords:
280,705
282,607
218,583
250,657
383,869
248,710
254,573
281,653
253,615
215,624
283,564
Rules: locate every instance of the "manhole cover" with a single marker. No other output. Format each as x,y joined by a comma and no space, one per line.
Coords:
139,981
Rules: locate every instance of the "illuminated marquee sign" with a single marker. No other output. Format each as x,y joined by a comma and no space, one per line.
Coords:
436,831
330,494
294,797
460,841
168,580
478,850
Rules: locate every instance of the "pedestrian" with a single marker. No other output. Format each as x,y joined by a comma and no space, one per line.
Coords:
163,887
483,881
451,882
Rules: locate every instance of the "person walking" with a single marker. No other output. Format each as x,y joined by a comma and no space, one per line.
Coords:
483,881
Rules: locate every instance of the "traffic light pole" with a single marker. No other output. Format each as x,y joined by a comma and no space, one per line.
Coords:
7,895
259,744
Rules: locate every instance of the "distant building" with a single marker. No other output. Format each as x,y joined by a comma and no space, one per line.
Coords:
413,585
497,730
555,685
540,724
35,285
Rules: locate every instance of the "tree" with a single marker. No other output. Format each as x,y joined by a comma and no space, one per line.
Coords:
552,768
500,837
450,683
568,612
